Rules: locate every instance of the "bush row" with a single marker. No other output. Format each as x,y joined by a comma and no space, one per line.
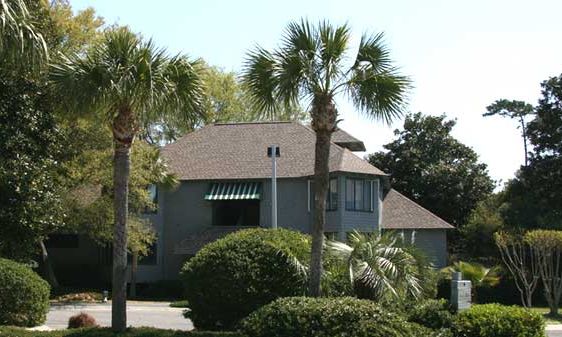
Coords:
315,317
106,332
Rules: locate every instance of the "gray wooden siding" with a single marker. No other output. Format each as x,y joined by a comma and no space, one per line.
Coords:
433,242
185,211
361,221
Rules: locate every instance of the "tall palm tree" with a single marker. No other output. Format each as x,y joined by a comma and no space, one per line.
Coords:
129,82
310,67
19,38
380,265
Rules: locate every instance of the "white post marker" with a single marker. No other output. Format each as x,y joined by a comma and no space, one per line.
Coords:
273,152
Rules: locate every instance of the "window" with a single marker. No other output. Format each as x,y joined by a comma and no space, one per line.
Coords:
331,197
359,195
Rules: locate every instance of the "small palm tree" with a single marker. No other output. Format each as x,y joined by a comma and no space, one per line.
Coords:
380,265
478,275
129,82
310,67
19,38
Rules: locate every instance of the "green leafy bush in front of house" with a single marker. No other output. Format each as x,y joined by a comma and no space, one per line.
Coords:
433,313
315,317
24,296
106,332
233,276
495,320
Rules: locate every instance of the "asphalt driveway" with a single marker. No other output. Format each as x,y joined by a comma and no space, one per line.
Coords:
147,314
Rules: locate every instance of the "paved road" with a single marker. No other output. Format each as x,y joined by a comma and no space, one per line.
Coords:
554,330
149,314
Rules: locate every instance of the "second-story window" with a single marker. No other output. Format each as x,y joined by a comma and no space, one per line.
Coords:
358,195
331,197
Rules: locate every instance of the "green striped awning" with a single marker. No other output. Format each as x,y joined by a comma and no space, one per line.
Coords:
234,191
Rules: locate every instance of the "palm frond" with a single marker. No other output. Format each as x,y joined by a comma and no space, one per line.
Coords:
375,86
378,263
124,71
334,42
19,37
259,77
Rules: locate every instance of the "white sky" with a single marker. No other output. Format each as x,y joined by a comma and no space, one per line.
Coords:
461,55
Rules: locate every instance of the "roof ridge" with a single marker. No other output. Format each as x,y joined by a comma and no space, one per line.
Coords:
421,207
254,122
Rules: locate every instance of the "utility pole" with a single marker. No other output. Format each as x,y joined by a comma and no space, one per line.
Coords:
273,152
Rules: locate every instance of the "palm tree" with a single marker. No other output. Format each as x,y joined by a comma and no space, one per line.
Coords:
379,265
478,275
309,67
19,38
129,82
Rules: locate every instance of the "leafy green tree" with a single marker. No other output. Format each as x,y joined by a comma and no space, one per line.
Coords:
129,82
477,236
532,199
431,167
29,153
379,266
310,68
546,246
520,260
515,110
226,101
72,32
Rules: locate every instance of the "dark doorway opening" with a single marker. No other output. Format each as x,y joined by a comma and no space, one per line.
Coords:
236,213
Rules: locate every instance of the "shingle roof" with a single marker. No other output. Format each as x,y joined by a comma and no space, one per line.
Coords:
344,139
400,212
239,151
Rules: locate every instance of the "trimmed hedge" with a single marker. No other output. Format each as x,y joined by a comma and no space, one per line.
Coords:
233,276
495,320
106,332
24,296
315,317
434,314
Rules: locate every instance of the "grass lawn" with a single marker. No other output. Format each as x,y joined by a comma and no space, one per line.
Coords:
180,304
106,332
549,319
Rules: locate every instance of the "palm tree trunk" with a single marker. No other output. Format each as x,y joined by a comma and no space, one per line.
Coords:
121,168
324,123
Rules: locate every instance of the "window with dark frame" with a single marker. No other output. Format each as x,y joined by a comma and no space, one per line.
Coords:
331,197
358,195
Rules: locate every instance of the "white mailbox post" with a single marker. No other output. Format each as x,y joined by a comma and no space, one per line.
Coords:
460,292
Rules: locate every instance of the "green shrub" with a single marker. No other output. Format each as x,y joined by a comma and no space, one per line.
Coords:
315,317
233,276
24,296
495,320
106,332
434,314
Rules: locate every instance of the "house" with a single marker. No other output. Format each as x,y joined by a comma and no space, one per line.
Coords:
225,185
